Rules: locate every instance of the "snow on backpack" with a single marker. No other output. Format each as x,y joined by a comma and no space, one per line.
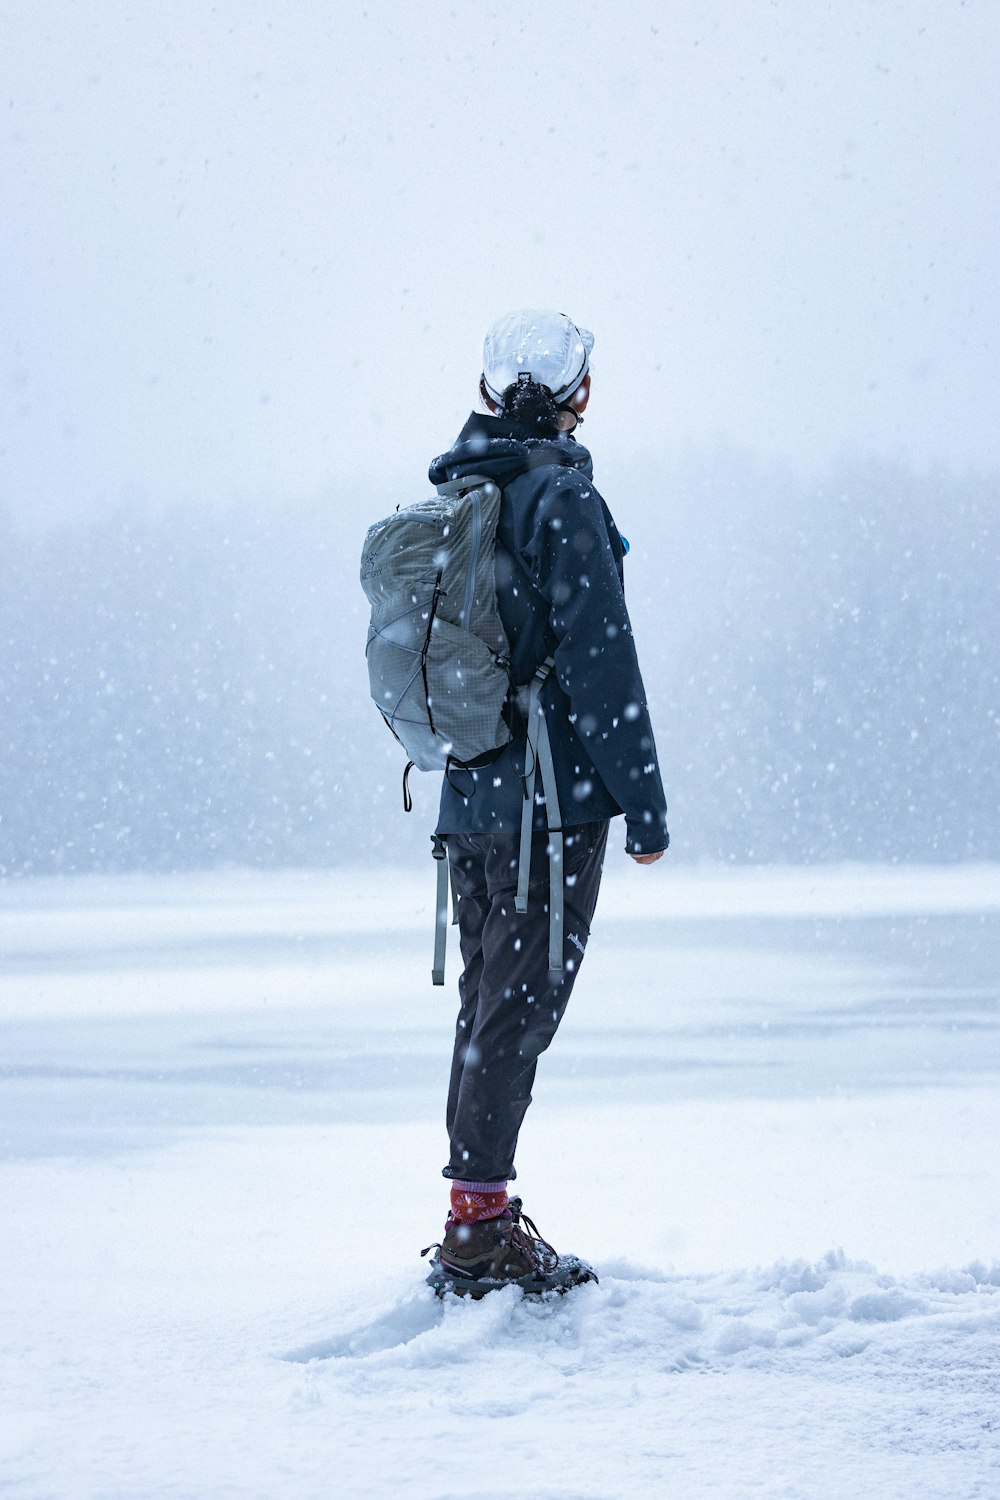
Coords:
439,665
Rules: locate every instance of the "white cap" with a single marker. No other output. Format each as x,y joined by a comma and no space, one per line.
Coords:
546,345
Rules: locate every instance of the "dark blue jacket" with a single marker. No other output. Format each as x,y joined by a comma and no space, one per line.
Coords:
560,592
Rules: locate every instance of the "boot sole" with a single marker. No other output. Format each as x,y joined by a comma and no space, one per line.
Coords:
569,1273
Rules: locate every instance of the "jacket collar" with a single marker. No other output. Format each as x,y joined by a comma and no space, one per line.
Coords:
502,449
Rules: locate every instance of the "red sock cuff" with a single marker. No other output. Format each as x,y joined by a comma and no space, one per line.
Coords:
472,1201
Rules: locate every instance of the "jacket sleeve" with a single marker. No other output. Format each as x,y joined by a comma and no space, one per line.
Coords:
572,564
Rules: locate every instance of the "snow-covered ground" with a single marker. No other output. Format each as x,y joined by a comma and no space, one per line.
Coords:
771,1119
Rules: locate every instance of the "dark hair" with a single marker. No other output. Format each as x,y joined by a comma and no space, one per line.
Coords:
531,404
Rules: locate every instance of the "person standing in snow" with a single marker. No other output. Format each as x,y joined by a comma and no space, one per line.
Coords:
559,582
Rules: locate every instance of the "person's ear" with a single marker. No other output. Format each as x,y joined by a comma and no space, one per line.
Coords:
573,413
486,398
581,395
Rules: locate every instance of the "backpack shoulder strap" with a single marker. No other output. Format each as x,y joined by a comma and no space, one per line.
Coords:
538,757
466,482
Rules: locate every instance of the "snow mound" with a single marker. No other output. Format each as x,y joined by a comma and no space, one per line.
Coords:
738,1384
643,1319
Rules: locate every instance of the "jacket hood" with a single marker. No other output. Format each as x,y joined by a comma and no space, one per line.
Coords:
502,449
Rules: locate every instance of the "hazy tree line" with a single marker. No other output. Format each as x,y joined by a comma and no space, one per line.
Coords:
821,659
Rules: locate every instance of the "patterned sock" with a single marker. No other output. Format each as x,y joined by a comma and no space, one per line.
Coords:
472,1201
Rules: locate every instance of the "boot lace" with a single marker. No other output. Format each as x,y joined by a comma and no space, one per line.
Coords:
532,1242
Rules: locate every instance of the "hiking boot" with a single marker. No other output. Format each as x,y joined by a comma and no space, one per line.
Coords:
479,1258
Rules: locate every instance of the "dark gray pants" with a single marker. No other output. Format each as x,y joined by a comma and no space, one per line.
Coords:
511,1004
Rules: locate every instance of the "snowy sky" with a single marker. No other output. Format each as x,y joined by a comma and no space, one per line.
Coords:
251,250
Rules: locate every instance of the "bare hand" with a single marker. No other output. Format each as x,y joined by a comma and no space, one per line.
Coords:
647,859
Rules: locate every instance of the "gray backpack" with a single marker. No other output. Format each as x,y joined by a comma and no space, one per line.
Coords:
437,654
439,668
